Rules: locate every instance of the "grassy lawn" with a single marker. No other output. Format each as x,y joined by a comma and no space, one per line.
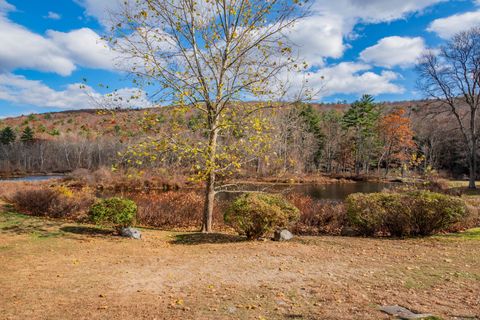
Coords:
56,270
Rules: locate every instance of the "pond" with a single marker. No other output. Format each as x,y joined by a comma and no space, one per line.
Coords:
333,191
339,191
31,178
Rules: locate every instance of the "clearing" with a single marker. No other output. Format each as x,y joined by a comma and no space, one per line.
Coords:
56,270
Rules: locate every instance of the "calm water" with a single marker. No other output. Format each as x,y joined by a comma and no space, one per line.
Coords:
32,178
334,191
339,191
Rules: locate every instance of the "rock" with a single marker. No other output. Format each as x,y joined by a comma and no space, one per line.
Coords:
282,235
348,232
404,313
131,233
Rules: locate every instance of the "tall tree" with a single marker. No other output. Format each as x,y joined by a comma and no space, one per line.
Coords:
207,54
331,125
362,118
396,135
451,78
7,136
313,122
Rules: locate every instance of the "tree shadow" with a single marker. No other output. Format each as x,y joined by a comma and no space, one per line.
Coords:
19,224
204,238
88,231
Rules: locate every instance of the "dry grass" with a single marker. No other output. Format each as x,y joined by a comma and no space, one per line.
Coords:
52,270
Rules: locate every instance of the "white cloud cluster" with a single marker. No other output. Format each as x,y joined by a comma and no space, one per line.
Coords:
58,52
449,26
322,34
354,78
19,90
394,51
319,36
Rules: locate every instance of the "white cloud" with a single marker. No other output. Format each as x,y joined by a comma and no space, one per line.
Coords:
100,9
394,51
318,37
58,52
373,11
84,47
449,26
20,90
353,78
24,49
53,15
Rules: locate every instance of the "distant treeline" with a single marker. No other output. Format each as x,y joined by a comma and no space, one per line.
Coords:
365,138
43,156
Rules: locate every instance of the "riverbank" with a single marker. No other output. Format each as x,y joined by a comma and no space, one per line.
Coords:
52,267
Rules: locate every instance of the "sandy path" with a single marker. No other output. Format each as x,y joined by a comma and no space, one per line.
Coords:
50,270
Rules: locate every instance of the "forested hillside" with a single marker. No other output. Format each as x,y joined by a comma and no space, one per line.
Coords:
362,138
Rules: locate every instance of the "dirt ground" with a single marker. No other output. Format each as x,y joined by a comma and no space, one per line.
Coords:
55,270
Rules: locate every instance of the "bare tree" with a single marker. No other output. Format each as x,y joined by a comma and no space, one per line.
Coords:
451,77
206,54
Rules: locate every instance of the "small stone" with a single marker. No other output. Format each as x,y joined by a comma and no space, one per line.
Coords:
282,235
403,313
131,233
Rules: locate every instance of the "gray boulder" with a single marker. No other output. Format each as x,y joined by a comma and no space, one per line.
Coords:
282,235
130,232
404,313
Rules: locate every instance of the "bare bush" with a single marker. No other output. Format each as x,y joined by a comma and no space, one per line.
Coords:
173,209
318,216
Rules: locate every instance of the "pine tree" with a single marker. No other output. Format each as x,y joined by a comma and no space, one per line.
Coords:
362,119
313,121
7,136
27,135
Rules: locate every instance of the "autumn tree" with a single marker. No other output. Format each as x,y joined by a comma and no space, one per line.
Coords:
206,55
396,136
450,77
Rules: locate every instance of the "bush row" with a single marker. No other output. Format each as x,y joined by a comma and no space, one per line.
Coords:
411,213
406,213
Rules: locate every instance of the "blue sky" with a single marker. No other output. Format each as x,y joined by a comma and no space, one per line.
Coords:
353,46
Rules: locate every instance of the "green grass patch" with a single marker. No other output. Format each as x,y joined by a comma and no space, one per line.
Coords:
36,228
471,234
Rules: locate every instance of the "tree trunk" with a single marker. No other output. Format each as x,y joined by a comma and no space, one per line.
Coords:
473,166
210,187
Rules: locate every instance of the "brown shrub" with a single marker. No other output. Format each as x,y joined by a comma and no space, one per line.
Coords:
58,202
9,188
174,209
35,202
318,216
472,217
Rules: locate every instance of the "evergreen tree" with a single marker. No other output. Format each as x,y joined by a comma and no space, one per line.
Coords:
362,119
27,135
313,121
7,136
